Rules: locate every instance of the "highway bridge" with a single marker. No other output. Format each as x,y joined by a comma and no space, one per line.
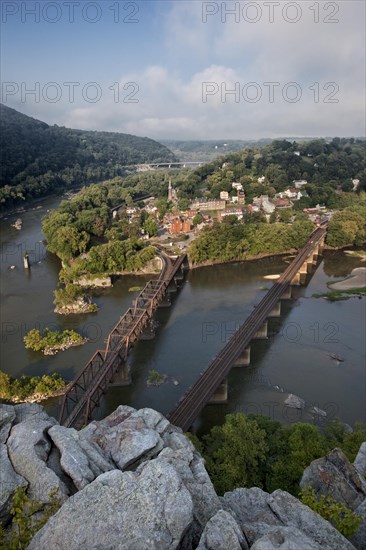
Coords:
191,404
178,164
86,391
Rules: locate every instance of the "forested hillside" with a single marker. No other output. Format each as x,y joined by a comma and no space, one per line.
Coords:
37,158
326,166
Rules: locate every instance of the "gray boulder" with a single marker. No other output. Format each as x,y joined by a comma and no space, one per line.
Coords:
360,460
285,538
146,510
291,512
7,417
29,411
10,481
359,538
28,448
125,438
222,533
80,459
334,475
295,402
190,467
260,514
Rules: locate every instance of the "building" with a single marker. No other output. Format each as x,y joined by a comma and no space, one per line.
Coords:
238,212
262,179
214,204
267,206
237,186
241,197
224,195
299,183
180,226
281,202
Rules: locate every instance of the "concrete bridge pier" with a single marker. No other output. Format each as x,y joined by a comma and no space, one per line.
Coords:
148,332
287,295
221,394
172,286
244,358
262,332
276,311
165,302
122,376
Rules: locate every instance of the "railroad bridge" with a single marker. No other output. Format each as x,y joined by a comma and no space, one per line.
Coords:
211,386
86,391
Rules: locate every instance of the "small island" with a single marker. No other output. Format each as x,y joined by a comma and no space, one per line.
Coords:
27,389
51,342
71,299
155,378
351,286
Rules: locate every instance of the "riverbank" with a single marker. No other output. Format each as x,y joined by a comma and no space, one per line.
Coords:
27,389
241,260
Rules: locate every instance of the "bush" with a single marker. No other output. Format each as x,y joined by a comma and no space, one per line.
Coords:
339,515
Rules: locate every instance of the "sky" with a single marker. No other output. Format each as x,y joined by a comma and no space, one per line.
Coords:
188,69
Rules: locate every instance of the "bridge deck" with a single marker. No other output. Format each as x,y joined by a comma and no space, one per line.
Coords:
84,393
191,404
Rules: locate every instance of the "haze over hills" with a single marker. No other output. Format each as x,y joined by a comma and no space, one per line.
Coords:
37,158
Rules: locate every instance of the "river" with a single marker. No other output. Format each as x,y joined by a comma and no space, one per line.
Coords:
204,313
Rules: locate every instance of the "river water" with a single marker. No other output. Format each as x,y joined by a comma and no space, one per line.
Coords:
211,302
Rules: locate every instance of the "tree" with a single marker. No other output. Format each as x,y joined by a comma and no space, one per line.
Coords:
235,451
198,218
151,227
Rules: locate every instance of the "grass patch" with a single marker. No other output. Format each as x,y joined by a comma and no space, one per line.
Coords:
339,295
135,289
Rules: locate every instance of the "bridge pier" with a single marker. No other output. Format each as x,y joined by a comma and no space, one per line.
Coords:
276,311
148,332
122,377
262,333
220,396
287,295
165,302
244,359
172,286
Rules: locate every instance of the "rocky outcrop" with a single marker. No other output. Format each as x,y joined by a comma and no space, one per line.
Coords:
96,282
133,481
360,460
335,476
263,516
10,481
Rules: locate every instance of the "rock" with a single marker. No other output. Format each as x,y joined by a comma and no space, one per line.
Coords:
96,282
359,538
7,417
10,481
294,402
285,538
317,413
360,460
292,513
125,438
28,448
249,506
260,514
82,460
222,533
146,510
30,411
334,475
190,466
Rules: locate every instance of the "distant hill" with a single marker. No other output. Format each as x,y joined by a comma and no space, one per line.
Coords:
37,158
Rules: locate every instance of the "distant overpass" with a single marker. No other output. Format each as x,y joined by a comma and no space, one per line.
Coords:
181,164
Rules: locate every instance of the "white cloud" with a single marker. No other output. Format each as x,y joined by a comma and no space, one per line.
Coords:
233,54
